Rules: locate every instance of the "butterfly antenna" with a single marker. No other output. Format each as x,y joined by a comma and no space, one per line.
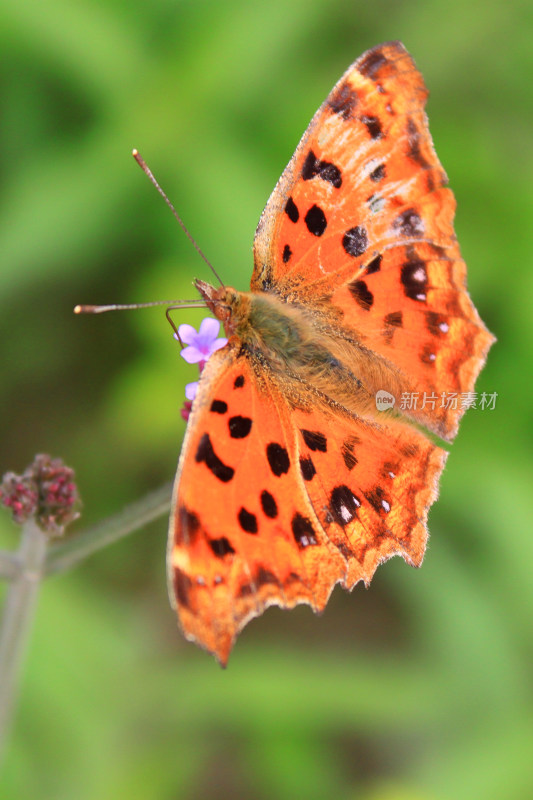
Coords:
171,306
148,172
85,309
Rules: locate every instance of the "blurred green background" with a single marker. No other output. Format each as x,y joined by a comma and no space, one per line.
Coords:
419,688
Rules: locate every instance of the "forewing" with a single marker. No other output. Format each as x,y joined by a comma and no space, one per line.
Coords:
361,226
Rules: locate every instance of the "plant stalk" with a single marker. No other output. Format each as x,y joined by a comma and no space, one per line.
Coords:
9,566
33,561
17,618
68,552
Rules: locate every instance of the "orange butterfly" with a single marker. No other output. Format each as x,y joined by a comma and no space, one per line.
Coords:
290,479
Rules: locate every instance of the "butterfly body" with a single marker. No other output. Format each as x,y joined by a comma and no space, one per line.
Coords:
308,351
291,479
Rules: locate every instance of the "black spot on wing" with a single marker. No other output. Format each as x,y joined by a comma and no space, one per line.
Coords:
315,440
371,63
410,450
428,355
219,407
437,324
413,144
221,547
344,504
361,294
278,459
310,167
373,126
292,211
314,167
394,319
182,587
239,427
264,576
343,101
390,470
315,219
348,455
374,265
303,531
379,502
378,173
188,526
247,521
414,278
330,173
269,505
206,454
355,241
238,383
307,468
287,253
409,224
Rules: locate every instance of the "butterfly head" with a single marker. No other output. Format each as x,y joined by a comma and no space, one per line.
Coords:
225,303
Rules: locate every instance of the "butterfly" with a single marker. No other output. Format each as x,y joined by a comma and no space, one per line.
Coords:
291,479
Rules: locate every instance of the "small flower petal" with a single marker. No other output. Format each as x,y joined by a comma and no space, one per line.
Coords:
209,329
188,334
192,354
203,343
190,390
218,344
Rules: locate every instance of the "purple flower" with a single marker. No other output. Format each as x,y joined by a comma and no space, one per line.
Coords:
190,394
190,390
203,343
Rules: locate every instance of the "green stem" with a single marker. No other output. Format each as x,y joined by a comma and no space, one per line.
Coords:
35,559
69,552
17,617
9,565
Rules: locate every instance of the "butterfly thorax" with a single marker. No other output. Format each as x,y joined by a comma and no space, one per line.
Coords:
278,331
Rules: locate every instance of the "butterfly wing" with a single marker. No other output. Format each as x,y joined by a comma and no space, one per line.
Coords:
281,494
240,536
275,502
370,484
361,221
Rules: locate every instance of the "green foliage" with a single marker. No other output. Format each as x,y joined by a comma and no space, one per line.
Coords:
419,688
